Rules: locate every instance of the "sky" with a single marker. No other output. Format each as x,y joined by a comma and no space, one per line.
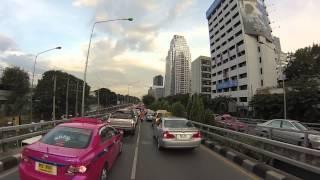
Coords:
127,54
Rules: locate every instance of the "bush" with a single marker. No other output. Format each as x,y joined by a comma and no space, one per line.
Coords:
178,110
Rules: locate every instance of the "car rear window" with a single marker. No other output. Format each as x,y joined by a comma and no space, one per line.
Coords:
122,115
177,124
68,137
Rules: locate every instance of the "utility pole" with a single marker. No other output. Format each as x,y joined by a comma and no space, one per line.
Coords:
54,97
67,98
77,93
98,99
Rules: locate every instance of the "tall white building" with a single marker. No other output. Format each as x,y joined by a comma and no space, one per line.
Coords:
178,62
242,49
201,76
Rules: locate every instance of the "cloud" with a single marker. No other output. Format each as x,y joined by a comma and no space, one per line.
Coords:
7,43
84,2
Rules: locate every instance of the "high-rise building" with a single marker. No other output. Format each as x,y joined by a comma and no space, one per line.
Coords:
158,80
178,62
242,49
201,76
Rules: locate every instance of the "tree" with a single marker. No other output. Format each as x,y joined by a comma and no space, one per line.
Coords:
106,97
43,95
305,63
178,110
17,80
148,100
197,110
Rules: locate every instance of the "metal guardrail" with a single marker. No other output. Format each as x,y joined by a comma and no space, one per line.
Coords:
15,134
305,158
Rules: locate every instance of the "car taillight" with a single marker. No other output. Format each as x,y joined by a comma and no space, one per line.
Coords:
77,169
167,135
197,135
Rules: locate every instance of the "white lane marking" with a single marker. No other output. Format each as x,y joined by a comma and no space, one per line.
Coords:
135,160
9,172
231,164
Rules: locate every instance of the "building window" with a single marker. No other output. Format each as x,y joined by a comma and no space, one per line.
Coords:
244,75
259,50
260,59
235,16
234,88
261,82
234,78
231,38
243,99
238,33
234,7
237,24
244,87
226,90
214,83
214,91
220,72
233,67
261,71
242,64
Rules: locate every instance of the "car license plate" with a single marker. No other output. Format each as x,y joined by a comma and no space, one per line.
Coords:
46,168
183,136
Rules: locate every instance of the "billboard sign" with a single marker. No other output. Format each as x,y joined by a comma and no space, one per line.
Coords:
255,18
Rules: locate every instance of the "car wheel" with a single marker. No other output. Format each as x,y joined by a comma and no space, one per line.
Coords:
104,173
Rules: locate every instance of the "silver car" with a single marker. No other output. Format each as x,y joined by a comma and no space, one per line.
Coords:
123,119
293,137
176,133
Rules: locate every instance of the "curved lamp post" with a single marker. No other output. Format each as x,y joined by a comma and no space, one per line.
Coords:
88,53
32,80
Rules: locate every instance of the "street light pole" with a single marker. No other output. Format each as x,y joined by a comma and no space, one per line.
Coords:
32,80
88,53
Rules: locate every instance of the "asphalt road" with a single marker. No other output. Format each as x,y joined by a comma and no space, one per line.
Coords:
141,160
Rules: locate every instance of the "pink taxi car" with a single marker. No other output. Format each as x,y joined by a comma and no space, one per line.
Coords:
79,150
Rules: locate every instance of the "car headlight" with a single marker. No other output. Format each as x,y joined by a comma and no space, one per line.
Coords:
314,137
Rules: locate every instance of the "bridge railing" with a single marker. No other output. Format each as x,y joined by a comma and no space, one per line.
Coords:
11,136
262,148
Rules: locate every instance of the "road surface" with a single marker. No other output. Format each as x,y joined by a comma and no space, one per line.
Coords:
141,160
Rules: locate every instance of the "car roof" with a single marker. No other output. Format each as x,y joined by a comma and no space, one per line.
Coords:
174,118
84,123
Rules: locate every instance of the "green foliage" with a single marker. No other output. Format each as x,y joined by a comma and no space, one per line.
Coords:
106,97
178,110
218,104
182,98
160,105
305,63
17,80
148,100
43,95
197,110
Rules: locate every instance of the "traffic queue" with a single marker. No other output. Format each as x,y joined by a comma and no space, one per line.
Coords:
80,149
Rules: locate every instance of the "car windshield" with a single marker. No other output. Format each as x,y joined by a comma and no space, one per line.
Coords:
122,115
177,124
299,126
68,137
